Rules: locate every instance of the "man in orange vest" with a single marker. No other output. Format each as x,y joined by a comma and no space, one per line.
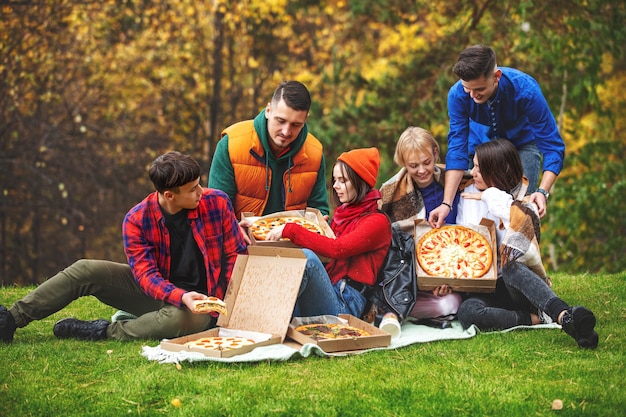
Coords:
272,163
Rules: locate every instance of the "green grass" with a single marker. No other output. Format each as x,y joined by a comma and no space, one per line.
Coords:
518,373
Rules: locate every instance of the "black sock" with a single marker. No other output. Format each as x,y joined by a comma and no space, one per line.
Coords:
554,307
523,318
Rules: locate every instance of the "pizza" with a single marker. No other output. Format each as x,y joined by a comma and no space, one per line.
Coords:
330,331
454,252
220,343
210,304
261,227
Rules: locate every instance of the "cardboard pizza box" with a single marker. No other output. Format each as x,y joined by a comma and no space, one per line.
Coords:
310,213
484,284
377,337
260,300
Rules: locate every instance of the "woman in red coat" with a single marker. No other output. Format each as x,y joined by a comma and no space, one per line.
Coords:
363,236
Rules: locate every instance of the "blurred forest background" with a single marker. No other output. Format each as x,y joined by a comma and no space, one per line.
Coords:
92,91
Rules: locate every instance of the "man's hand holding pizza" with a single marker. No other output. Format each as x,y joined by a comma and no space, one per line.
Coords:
190,298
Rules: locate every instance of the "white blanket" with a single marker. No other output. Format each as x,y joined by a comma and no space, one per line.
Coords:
411,334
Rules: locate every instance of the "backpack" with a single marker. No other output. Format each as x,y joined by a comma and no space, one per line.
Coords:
396,285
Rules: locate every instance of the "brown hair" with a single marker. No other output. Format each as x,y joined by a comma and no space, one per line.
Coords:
499,164
171,170
360,186
475,62
294,93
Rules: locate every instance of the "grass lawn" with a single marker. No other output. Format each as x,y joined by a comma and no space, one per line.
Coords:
518,373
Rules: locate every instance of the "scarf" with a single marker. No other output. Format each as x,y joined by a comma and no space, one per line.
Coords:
402,201
345,215
521,240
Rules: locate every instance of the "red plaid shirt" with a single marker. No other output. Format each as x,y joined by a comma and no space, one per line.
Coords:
147,244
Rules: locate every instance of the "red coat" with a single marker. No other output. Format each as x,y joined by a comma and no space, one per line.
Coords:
358,254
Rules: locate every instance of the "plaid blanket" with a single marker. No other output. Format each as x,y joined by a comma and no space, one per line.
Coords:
521,240
403,202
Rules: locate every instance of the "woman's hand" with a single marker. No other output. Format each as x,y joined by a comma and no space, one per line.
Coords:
442,290
276,233
472,196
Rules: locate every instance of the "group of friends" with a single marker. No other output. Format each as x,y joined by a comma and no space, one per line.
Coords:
182,240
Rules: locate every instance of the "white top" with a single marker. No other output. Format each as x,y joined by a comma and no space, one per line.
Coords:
495,205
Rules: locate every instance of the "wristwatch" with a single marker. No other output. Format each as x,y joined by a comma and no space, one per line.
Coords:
544,192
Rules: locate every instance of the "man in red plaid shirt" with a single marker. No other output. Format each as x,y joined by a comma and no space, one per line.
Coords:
181,243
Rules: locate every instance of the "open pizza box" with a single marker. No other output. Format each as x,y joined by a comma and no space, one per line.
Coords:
376,338
260,300
484,284
310,213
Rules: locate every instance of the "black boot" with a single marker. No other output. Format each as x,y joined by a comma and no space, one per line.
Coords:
80,329
7,325
579,322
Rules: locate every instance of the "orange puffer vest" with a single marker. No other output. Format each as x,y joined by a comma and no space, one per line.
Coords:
247,157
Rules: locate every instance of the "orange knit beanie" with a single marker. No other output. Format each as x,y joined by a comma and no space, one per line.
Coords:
364,162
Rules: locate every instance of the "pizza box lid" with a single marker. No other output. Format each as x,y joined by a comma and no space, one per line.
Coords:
484,284
260,298
377,337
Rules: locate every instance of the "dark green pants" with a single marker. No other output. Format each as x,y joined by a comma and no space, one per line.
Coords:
113,284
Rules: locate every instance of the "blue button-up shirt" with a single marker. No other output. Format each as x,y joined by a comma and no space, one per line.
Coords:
519,112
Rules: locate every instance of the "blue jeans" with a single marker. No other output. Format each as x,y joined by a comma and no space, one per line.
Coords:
519,291
531,161
317,296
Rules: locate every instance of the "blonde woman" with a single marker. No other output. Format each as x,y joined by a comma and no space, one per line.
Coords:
412,194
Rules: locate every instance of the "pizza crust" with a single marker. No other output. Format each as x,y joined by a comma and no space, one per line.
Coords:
455,252
261,227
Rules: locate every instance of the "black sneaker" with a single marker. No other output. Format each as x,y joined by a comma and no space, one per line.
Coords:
579,322
7,325
80,329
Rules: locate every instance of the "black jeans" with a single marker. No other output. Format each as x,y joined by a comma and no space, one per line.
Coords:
519,291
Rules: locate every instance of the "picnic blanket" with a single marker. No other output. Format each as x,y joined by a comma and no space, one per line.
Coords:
411,334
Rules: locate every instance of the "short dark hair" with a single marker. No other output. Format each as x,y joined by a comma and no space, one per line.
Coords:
295,95
360,186
500,164
173,169
475,62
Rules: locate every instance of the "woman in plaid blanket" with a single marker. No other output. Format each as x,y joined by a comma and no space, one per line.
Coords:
523,293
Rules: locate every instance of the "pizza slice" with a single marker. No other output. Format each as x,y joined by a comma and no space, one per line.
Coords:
210,304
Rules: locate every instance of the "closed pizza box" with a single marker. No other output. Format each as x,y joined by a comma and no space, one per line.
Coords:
484,284
376,338
260,300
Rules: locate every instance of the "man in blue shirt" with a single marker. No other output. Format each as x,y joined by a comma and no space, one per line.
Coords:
491,102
